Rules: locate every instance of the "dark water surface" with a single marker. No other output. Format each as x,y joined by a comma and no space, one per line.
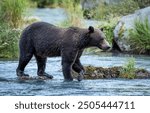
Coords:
10,85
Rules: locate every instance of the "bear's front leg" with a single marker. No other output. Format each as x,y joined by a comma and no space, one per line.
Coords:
68,58
77,67
66,67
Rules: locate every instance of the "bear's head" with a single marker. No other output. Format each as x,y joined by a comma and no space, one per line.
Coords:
97,38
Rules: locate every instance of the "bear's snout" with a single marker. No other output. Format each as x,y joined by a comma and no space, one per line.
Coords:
108,47
104,45
105,48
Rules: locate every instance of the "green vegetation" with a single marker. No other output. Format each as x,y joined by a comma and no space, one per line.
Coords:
143,3
139,37
75,13
109,27
11,18
107,12
128,70
11,11
8,41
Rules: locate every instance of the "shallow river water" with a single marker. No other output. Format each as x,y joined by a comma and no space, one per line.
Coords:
10,85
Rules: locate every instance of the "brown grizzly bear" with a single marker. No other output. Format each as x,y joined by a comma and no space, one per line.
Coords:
44,40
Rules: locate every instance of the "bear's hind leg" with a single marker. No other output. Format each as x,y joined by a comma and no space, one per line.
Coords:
23,61
41,63
66,67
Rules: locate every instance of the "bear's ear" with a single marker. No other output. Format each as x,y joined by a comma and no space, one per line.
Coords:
91,29
102,29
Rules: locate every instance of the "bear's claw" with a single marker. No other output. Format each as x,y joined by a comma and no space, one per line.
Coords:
81,76
24,77
45,76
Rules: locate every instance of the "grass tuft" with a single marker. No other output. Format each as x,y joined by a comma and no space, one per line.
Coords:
74,12
139,37
11,11
128,70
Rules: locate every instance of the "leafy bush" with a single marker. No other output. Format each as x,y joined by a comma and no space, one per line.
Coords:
8,41
11,11
139,37
128,70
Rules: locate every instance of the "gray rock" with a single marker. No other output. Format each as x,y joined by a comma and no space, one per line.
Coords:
126,23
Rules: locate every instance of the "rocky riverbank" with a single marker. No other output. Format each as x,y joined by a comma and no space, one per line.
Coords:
113,72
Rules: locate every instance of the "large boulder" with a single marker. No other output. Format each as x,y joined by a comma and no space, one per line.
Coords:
121,30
